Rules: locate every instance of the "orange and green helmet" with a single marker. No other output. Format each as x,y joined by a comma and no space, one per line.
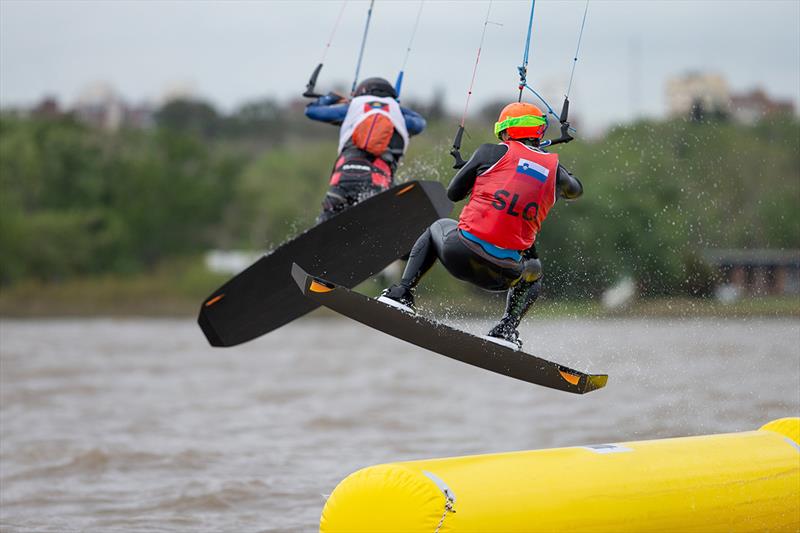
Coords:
521,121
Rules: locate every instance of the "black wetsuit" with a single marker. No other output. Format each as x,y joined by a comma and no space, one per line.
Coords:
355,183
468,260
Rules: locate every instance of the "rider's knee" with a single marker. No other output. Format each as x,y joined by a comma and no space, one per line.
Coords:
532,270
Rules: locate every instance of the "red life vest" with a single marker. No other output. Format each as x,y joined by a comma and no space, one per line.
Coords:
510,200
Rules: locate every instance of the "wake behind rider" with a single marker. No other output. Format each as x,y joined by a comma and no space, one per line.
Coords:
512,186
373,137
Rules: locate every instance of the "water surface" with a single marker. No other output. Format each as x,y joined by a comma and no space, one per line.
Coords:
138,425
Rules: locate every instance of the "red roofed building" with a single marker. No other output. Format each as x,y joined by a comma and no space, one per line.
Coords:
755,105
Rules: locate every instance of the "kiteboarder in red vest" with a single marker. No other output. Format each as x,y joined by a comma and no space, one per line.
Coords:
511,188
373,137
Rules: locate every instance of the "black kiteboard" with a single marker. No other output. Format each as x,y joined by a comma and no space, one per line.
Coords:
445,340
348,249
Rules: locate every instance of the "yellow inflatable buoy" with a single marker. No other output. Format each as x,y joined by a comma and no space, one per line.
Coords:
732,482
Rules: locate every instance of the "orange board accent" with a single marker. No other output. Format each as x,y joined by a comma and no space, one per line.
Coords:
214,300
318,287
571,378
405,189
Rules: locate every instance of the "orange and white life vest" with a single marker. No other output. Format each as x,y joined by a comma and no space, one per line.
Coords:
369,115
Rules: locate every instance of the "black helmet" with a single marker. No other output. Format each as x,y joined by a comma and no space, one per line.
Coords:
375,87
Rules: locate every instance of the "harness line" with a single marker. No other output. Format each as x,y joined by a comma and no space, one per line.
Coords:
477,60
363,44
333,31
456,150
398,85
577,49
310,91
523,82
523,69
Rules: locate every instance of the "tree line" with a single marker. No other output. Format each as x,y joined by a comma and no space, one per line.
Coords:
78,201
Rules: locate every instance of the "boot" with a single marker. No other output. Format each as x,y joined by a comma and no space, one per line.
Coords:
520,299
399,296
506,331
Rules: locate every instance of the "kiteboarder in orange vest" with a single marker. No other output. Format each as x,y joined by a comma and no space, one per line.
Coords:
373,137
511,187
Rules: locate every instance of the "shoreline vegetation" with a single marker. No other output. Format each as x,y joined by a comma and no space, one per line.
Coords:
116,223
178,294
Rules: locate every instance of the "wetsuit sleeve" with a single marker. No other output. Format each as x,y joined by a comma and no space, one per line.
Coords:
414,121
569,187
331,108
484,157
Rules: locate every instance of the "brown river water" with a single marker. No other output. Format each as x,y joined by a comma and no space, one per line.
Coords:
138,425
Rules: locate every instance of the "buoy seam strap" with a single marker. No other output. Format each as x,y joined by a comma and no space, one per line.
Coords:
793,443
441,484
450,498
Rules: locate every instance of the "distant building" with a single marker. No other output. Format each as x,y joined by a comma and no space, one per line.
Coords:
100,106
695,94
141,116
700,95
758,272
178,90
755,105
47,108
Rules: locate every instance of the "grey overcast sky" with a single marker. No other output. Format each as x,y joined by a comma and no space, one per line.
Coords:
232,51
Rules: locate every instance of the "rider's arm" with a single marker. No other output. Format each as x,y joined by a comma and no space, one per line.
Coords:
415,123
484,157
569,187
331,108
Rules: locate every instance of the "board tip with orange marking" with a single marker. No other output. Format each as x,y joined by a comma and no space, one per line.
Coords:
214,300
316,286
405,189
569,377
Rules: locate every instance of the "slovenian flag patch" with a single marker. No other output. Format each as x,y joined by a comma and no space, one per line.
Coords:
534,170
